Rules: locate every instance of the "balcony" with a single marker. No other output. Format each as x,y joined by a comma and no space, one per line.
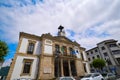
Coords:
64,54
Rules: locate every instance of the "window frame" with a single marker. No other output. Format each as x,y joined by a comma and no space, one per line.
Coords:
33,42
22,71
98,56
103,48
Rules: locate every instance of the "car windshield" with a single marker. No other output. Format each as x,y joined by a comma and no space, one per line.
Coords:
88,75
67,78
104,74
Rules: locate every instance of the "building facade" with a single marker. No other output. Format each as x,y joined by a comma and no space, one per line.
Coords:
47,57
108,50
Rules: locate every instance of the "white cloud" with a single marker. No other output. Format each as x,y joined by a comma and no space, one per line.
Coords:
7,63
79,16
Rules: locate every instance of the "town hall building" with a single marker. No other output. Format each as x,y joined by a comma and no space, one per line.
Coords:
47,57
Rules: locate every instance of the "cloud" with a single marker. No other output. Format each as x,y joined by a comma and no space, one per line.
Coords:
7,63
86,21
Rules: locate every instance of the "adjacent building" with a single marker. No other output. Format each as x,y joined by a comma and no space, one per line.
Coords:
1,63
109,50
47,57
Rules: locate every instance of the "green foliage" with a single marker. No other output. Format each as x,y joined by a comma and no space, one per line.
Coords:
98,63
3,50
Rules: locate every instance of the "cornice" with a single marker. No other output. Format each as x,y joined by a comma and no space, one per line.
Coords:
27,55
29,36
60,39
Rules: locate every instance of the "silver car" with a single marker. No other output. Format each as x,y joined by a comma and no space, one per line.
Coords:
93,76
109,76
65,78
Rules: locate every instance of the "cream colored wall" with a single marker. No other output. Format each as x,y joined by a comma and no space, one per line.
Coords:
24,45
37,49
48,46
84,55
48,49
18,68
87,66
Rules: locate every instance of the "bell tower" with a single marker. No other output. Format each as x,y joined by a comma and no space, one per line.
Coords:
61,31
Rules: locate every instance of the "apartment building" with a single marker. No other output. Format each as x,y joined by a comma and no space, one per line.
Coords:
108,50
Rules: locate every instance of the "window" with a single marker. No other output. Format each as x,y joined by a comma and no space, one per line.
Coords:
96,50
118,59
27,66
98,56
108,62
82,56
30,49
87,53
85,67
103,48
91,52
57,49
71,51
77,51
93,57
112,45
116,52
64,50
89,59
105,54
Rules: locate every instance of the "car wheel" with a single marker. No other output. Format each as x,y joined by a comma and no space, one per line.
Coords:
102,79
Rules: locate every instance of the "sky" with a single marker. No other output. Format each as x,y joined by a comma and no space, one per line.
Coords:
86,21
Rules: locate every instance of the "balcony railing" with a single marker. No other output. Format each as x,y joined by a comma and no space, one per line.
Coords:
64,54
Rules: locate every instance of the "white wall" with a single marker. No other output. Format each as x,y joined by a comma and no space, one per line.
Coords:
37,49
48,49
24,45
87,67
18,68
84,55
48,46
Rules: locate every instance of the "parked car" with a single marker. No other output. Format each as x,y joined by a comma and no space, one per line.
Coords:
93,76
65,78
23,79
109,76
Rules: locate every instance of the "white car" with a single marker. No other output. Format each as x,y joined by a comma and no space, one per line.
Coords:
109,76
93,76
65,78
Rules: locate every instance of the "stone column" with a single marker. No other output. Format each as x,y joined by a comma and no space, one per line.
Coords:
62,71
87,67
69,68
84,56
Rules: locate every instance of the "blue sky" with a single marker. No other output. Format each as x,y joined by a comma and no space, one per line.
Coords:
86,21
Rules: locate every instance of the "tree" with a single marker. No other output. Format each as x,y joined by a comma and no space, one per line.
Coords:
3,50
98,63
